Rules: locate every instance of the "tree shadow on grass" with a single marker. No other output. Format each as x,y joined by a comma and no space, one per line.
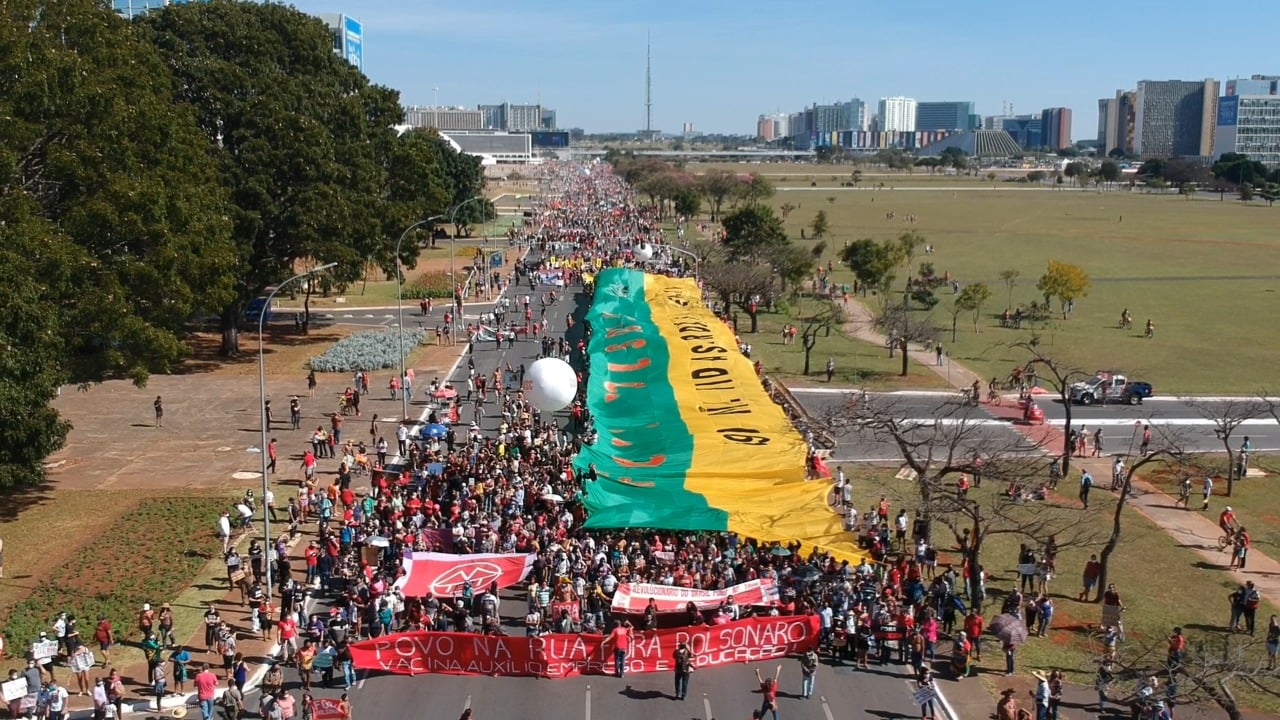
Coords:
16,500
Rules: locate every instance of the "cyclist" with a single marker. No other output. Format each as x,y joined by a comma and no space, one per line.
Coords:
1227,521
993,395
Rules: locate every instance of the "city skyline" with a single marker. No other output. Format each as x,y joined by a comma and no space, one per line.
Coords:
720,65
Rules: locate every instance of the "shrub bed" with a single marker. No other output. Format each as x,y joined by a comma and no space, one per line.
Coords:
368,350
150,554
429,285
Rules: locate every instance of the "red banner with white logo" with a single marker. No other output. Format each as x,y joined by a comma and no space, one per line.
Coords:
327,709
566,655
634,597
443,575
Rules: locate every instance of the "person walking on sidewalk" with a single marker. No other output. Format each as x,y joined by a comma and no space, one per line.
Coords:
1208,492
808,672
1086,482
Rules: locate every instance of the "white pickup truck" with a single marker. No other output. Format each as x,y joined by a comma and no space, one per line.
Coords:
1109,387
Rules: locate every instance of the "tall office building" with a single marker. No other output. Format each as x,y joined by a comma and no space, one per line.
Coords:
443,118
949,115
517,118
348,37
130,8
1115,122
1256,85
897,114
772,127
1175,118
1250,125
1055,128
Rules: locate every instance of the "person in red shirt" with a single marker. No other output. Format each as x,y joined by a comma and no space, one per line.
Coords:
973,626
621,637
769,691
287,635
206,689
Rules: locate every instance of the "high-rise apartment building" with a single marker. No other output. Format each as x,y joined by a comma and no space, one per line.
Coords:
772,127
1250,125
1055,128
897,114
947,115
1175,118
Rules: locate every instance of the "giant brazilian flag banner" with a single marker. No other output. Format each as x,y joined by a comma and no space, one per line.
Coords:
688,438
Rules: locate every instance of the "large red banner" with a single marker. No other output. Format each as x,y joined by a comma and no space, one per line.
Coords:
634,597
442,574
565,655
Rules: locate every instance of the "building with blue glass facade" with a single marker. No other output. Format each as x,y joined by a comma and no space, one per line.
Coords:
132,8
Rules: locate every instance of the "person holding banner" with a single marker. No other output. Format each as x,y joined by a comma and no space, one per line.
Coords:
621,637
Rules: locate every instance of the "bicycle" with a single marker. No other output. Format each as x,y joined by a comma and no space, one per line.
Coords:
994,397
1226,541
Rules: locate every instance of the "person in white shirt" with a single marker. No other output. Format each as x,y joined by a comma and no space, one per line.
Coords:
57,701
224,530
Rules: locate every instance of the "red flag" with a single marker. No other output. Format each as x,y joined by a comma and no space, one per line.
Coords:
442,574
323,708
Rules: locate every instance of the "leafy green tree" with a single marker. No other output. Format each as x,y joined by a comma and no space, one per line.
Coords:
1010,278
972,298
786,209
751,231
1076,170
1036,176
716,186
418,187
872,263
756,189
1238,168
1109,171
1153,168
687,201
820,225
1064,281
301,136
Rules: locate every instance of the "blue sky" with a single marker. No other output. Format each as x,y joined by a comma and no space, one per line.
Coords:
719,64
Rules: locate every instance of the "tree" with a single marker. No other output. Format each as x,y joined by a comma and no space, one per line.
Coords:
418,186
971,299
756,189
791,263
1246,192
786,209
716,186
1153,168
855,177
1109,171
954,157
299,134
1227,417
811,325
872,263
819,225
1180,171
1036,176
1240,169
1010,278
1060,376
687,201
750,285
951,442
752,230
1076,170
1064,281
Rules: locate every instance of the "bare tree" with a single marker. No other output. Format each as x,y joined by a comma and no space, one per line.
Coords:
812,325
1227,416
1212,668
1168,450
1010,278
902,328
1060,376
952,442
749,285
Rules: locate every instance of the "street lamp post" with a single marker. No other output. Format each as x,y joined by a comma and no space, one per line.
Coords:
453,271
404,399
697,261
262,409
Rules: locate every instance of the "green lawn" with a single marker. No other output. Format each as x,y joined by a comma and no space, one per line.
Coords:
1180,593
1205,272
858,363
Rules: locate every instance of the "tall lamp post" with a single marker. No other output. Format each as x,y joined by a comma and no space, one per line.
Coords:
453,272
262,409
404,399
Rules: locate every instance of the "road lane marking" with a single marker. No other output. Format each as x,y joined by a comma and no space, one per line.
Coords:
467,705
588,711
364,676
706,707
826,709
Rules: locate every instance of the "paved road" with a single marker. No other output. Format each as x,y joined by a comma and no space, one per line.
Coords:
723,692
1117,421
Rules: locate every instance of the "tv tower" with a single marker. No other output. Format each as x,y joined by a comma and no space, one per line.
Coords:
648,88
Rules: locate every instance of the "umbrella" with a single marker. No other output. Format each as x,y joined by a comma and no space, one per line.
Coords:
780,552
808,572
553,497
435,468
1009,628
435,430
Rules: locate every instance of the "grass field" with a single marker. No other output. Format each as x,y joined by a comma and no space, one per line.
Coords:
1205,272
1183,593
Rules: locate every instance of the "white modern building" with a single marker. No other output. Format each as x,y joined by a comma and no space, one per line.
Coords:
1250,125
897,114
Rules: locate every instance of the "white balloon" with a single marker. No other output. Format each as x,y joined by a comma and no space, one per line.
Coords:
644,253
553,384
